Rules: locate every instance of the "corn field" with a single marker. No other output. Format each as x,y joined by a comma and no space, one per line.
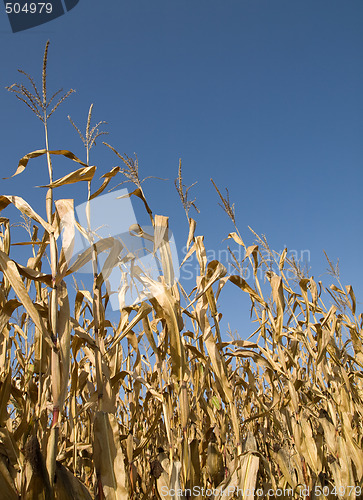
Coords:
159,404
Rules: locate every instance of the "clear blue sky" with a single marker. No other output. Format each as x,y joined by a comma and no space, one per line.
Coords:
264,96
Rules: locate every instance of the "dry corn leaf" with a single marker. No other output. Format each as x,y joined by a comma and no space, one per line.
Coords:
7,311
236,238
192,226
64,335
109,458
68,487
161,243
283,460
242,283
11,272
108,176
142,312
7,486
308,446
138,192
350,292
24,208
5,389
168,309
82,174
40,152
30,274
87,255
37,486
66,224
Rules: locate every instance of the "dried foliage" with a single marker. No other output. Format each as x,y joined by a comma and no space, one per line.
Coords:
160,401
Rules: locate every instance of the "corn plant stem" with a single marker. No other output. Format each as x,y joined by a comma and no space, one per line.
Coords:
96,299
54,294
98,359
212,306
53,313
167,414
40,386
75,447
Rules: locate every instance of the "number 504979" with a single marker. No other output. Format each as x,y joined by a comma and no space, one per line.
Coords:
28,8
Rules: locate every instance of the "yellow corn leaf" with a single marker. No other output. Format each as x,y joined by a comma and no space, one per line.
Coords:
278,292
166,306
69,487
64,334
149,433
86,256
195,469
11,272
109,458
82,174
215,271
354,451
5,389
357,346
243,478
304,289
217,362
282,458
34,154
192,226
243,285
190,252
174,483
323,336
105,183
38,485
278,297
294,396
7,311
66,223
343,475
143,311
30,274
111,262
282,259
253,249
7,486
161,469
236,238
314,291
350,292
308,446
161,243
329,432
10,447
24,208
138,192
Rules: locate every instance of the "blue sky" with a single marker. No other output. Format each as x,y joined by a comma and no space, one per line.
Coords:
264,96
